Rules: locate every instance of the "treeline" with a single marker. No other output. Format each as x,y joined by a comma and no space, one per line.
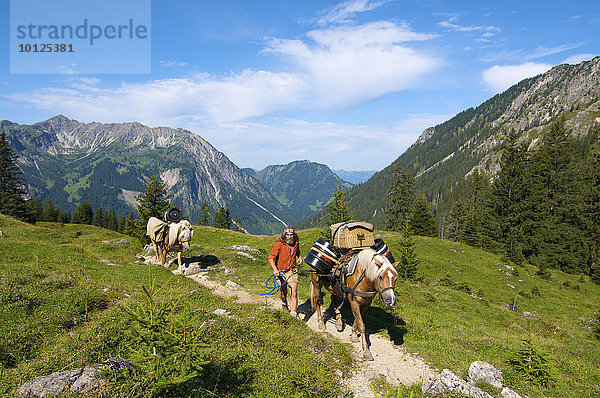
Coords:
105,218
543,207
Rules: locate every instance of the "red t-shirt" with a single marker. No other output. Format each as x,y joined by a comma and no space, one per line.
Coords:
285,255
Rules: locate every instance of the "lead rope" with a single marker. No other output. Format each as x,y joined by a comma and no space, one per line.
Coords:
276,285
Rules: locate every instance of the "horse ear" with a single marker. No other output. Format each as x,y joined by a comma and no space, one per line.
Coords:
395,265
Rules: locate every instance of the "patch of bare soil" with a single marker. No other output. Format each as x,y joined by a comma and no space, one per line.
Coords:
395,365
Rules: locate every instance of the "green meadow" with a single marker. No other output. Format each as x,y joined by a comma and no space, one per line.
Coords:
69,300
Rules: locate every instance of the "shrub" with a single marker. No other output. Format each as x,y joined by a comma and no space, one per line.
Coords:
533,365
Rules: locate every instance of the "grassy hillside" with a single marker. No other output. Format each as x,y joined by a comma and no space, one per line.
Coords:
68,300
468,306
57,314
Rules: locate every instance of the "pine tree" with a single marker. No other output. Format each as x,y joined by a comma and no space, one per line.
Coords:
59,214
422,221
339,210
205,213
122,224
153,202
238,226
131,224
35,209
12,187
222,218
98,219
84,214
66,217
48,211
400,198
408,261
508,200
110,220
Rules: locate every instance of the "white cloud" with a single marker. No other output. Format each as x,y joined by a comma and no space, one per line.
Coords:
499,78
342,12
201,97
350,65
578,58
336,144
450,25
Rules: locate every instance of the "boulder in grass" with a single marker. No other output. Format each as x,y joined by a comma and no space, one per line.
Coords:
448,381
80,381
483,371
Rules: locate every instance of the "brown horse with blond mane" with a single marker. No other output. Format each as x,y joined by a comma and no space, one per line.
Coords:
372,275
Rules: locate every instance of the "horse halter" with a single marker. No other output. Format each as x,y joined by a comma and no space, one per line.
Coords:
383,268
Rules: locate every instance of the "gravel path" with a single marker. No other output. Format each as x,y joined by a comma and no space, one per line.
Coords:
395,364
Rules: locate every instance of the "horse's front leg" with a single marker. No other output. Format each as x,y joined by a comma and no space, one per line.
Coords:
357,311
315,300
179,259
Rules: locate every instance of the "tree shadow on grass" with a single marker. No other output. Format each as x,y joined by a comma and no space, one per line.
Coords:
225,378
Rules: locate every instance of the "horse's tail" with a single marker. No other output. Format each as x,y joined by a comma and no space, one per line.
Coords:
315,292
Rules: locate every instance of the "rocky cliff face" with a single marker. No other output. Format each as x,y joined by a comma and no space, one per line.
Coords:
68,162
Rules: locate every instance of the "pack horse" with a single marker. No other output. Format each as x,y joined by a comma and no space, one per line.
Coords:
357,275
173,235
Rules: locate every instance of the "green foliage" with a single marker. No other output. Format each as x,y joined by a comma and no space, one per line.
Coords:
407,259
222,218
12,186
400,197
153,202
205,213
164,345
48,211
596,327
84,214
421,221
35,209
339,210
533,365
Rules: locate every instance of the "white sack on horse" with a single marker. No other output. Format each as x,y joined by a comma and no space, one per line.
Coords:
154,228
183,228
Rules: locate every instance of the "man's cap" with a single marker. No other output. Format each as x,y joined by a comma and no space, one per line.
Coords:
289,230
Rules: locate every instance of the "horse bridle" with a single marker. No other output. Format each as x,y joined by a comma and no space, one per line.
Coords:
358,293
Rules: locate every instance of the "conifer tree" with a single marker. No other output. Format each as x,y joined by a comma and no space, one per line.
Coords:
98,219
12,186
238,225
400,198
110,220
222,218
84,214
66,217
422,221
122,224
48,211
153,202
408,261
205,213
131,224
35,209
339,210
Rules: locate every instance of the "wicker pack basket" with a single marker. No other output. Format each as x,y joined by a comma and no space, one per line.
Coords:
352,234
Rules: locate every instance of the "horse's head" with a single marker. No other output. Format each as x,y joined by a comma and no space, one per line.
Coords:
385,280
381,274
185,233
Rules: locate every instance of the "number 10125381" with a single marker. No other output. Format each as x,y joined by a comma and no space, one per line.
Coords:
45,48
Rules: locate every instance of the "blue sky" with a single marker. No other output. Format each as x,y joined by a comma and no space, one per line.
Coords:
350,84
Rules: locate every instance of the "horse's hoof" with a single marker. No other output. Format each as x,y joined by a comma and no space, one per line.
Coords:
367,356
354,338
340,328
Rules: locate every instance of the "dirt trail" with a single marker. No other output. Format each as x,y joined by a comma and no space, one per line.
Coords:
395,364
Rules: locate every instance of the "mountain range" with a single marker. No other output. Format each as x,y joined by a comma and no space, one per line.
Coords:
67,162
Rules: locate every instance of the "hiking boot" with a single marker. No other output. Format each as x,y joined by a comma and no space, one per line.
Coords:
284,307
